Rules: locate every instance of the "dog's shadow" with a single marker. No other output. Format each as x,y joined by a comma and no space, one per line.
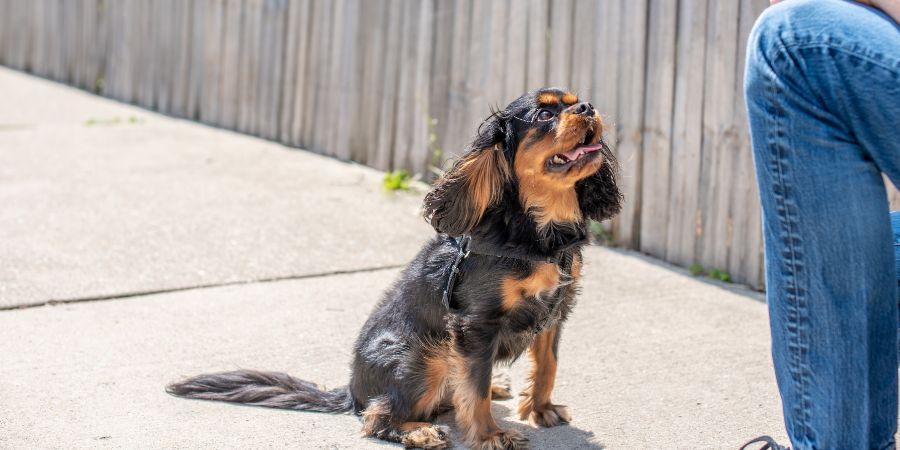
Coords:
559,437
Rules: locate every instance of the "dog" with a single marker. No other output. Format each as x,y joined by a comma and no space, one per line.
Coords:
499,277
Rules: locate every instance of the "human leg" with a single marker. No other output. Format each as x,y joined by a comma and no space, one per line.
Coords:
823,95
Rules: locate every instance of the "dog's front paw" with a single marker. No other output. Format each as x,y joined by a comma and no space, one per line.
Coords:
504,440
548,415
432,437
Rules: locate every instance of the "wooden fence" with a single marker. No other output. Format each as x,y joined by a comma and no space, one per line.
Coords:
404,83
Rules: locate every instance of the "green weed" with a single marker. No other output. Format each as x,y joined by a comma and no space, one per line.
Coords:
133,120
599,233
698,270
397,180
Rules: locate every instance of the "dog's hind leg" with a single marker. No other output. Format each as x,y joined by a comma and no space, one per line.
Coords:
378,422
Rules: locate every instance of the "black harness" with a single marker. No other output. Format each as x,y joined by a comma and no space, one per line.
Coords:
466,246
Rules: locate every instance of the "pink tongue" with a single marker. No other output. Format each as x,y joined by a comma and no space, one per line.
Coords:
576,152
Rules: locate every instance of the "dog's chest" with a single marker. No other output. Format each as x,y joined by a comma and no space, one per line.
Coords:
543,280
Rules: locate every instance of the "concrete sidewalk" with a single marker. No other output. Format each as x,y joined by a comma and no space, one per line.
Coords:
137,249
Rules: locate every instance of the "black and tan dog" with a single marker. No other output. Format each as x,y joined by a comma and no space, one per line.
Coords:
500,277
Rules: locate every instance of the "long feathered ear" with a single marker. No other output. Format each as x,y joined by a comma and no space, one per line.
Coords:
598,195
459,198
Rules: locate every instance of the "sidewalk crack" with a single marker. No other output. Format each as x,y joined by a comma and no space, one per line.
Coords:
142,293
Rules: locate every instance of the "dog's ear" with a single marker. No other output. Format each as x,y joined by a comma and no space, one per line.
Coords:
458,200
598,195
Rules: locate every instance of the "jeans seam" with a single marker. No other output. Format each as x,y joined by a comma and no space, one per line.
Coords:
794,296
822,45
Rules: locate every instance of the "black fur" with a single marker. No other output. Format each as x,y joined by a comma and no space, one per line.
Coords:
271,389
410,328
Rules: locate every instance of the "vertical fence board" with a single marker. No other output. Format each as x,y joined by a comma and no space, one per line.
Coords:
181,58
687,133
276,15
718,132
345,74
745,261
484,80
387,100
148,61
315,107
455,135
419,152
227,100
249,63
298,101
439,81
287,90
605,80
367,115
213,61
657,129
632,47
405,96
559,61
515,50
196,34
536,64
583,46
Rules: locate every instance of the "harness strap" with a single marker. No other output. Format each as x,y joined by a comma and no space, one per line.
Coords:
462,254
489,250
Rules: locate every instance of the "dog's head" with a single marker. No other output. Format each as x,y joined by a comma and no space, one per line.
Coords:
546,147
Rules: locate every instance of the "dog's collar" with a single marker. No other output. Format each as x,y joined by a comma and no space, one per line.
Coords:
466,246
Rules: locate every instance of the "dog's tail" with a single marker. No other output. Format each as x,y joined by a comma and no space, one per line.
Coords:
271,389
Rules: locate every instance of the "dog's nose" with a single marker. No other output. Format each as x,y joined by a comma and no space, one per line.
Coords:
583,108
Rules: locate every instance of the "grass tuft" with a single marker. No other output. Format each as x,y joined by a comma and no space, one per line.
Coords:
398,180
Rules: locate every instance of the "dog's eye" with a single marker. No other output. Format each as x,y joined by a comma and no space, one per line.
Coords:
543,115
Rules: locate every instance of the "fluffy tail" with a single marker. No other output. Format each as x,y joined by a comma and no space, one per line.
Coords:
271,389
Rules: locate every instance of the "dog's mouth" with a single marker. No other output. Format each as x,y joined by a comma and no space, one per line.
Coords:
583,152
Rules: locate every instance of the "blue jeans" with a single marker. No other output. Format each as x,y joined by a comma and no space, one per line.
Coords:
895,224
823,97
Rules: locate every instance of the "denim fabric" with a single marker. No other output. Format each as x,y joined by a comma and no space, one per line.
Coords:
823,96
895,224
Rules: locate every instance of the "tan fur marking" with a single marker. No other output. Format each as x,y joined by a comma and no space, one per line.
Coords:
486,171
473,411
569,98
551,196
543,278
576,267
375,416
473,414
437,370
548,98
572,128
409,426
535,404
543,368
